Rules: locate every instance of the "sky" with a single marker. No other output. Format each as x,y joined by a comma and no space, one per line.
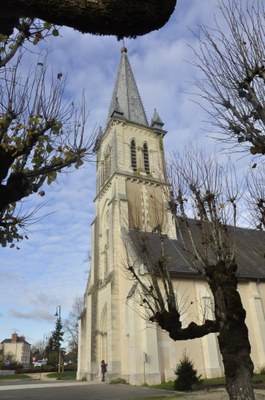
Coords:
52,267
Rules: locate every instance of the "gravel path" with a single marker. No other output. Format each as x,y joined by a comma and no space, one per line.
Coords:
218,394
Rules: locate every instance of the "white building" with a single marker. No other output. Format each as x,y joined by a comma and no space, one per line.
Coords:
129,193
18,348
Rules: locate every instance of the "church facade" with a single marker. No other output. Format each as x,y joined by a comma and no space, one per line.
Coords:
130,195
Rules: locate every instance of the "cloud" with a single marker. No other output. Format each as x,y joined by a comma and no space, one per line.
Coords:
34,315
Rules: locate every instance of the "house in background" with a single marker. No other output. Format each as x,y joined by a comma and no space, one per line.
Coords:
18,348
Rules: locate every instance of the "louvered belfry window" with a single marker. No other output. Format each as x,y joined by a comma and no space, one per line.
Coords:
146,159
107,163
133,155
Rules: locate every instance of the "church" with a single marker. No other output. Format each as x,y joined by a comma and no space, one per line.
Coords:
130,179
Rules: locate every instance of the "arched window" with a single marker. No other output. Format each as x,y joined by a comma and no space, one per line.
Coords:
107,164
133,155
146,158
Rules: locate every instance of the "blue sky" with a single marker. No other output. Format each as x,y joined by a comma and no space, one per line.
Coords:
51,268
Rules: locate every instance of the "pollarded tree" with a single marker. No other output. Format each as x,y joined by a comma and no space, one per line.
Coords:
212,191
231,58
208,193
121,18
40,136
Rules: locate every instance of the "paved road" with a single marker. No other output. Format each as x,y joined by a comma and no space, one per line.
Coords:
74,390
59,390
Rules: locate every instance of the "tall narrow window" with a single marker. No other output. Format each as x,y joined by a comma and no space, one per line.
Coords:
133,155
146,159
107,163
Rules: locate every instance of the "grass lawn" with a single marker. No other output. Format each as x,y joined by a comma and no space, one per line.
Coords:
67,375
258,379
14,377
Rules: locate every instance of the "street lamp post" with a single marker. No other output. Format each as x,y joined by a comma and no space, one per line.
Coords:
58,314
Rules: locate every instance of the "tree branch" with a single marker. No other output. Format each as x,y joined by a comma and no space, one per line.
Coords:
23,33
122,18
170,322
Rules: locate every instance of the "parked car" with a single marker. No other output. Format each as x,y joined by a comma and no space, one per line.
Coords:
39,363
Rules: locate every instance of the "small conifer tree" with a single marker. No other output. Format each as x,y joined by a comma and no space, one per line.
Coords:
186,374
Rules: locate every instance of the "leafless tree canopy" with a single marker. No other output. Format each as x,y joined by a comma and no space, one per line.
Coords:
207,192
255,196
71,324
231,58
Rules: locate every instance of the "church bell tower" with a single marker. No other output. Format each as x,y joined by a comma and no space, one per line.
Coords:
130,187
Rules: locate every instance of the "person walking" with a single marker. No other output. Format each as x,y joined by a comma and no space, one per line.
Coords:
103,369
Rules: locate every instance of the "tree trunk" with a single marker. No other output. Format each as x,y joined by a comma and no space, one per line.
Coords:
122,18
233,335
240,385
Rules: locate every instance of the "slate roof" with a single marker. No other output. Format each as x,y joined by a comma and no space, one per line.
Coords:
249,253
126,100
20,339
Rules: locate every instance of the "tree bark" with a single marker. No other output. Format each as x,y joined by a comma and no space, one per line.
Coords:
122,18
233,335
16,189
170,322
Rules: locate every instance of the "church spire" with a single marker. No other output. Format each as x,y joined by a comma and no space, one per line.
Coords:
126,100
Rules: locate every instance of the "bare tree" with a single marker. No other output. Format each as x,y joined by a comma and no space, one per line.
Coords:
37,350
255,196
104,17
204,201
40,136
231,58
71,324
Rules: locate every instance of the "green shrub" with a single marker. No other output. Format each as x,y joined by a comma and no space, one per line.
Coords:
13,365
186,374
116,381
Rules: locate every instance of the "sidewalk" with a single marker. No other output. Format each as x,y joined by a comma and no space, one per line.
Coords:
39,385
43,376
